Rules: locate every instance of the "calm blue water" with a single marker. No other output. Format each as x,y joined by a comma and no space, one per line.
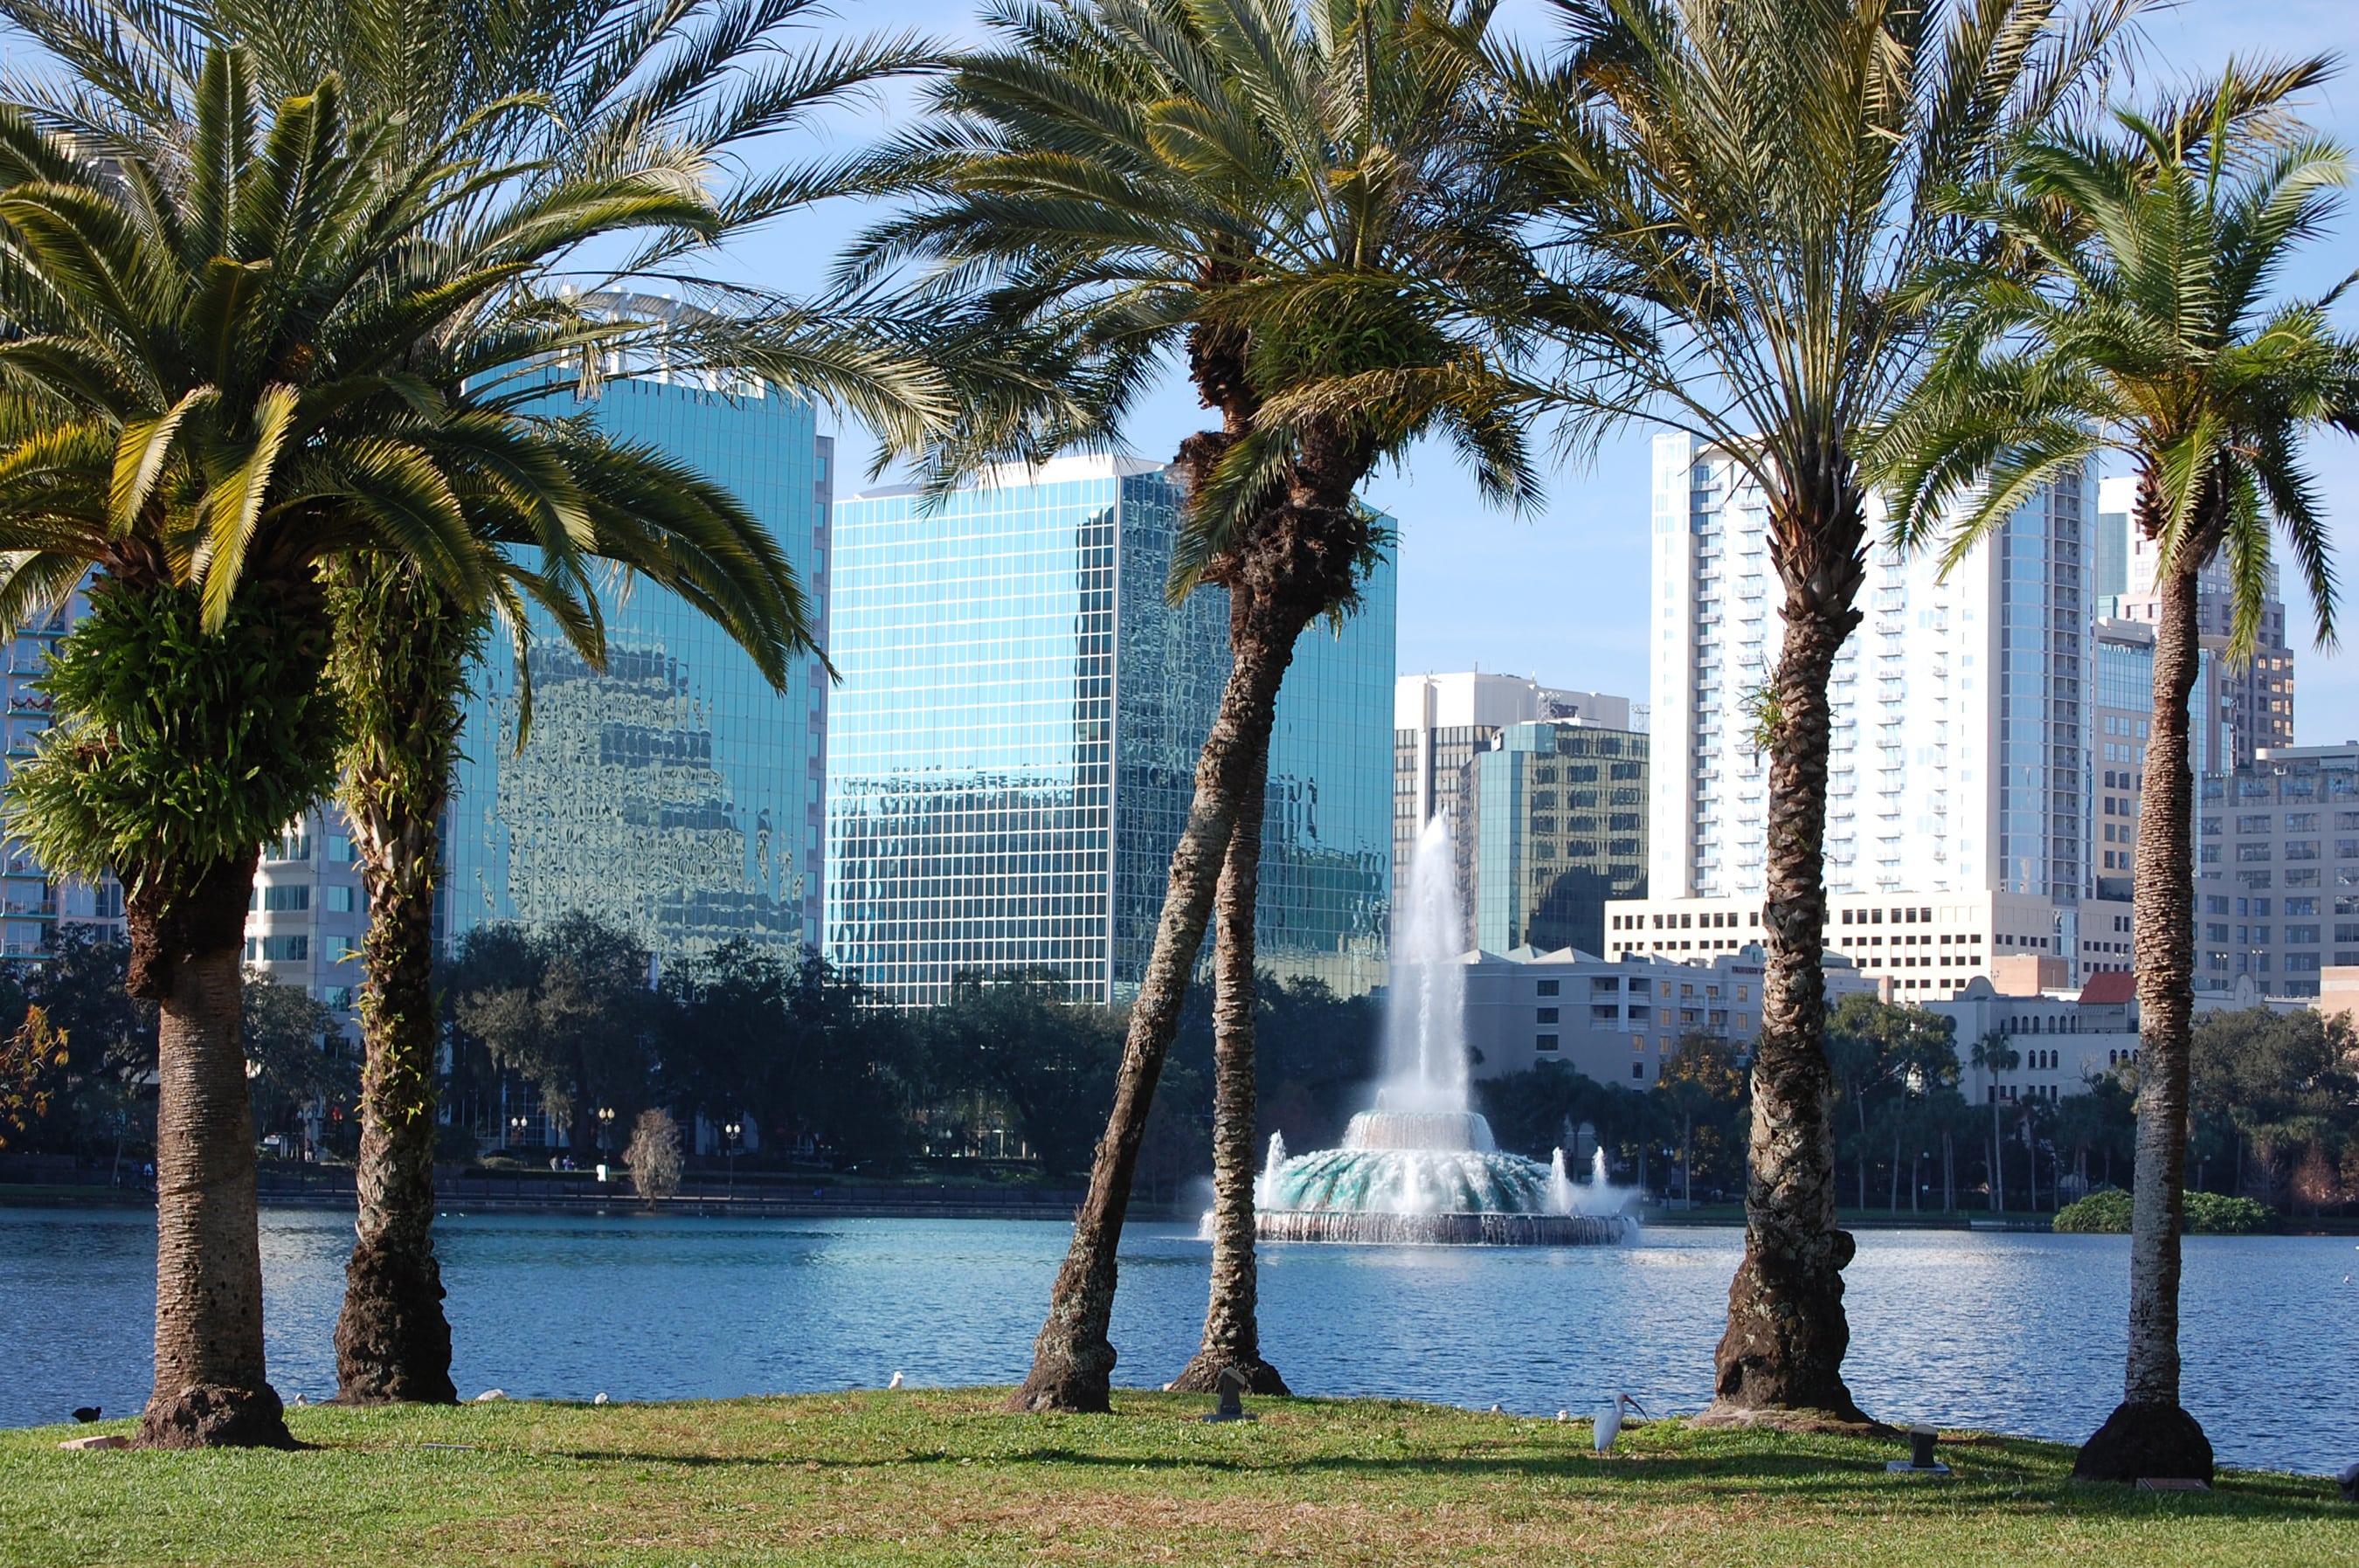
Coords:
2017,1333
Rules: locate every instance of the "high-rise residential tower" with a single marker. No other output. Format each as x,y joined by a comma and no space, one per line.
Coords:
33,903
1012,751
1959,703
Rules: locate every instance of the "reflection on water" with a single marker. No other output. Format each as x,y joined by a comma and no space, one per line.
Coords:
2018,1333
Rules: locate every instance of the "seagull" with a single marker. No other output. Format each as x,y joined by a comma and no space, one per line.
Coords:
86,1415
896,1383
1609,1421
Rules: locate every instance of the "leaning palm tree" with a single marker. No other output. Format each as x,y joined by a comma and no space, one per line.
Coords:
2143,318
1757,179
211,388
1283,193
680,94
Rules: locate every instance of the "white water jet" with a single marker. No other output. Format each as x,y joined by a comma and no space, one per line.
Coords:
1425,1020
1561,1195
1266,1184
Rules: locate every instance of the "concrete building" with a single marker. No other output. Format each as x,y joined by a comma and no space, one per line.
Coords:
1615,1021
2250,701
2062,1038
1552,825
1927,949
1960,708
1013,748
2277,870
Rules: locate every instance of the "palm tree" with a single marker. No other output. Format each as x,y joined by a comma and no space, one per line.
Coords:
679,95
1283,193
1994,1053
213,387
1756,177
2143,320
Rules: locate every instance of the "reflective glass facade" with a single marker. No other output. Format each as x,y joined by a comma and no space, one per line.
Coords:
1559,826
1013,748
675,794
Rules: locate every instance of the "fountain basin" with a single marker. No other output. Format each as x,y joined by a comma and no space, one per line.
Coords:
1440,1229
1428,1192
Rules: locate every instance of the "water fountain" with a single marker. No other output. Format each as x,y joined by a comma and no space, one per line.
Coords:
1421,1165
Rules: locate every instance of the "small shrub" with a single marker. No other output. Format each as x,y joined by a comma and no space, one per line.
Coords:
654,1156
2102,1212
2209,1213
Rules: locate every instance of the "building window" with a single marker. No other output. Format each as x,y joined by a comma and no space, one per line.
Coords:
1544,1042
1637,1069
1547,988
277,949
1548,1015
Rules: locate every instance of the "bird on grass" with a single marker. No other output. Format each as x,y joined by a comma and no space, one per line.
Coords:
86,1415
1609,1421
896,1383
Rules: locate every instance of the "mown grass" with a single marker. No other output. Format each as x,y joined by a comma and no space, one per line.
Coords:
944,1477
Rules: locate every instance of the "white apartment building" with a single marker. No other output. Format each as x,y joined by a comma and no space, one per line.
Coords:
1619,1021
1959,775
309,913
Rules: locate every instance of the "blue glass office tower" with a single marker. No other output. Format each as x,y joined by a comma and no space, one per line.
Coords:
676,793
1013,748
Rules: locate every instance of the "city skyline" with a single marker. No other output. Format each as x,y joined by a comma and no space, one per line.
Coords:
1481,590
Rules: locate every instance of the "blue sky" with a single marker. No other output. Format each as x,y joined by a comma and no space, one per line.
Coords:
1562,594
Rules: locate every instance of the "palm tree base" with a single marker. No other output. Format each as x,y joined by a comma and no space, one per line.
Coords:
392,1344
1068,1393
212,1415
1847,1420
1202,1375
2142,1441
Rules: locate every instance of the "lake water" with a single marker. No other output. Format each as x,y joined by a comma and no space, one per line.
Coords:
2013,1332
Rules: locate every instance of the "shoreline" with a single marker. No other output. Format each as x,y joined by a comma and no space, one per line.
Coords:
871,1204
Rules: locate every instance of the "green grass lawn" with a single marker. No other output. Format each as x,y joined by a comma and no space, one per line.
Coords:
944,1477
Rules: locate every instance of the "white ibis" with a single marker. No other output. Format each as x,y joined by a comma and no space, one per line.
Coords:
1609,1420
896,1383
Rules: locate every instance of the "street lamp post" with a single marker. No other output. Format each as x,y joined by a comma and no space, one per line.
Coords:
605,1128
729,1154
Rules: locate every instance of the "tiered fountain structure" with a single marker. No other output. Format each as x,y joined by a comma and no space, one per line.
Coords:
1422,1166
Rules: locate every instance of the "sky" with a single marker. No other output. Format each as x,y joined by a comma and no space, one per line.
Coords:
1562,593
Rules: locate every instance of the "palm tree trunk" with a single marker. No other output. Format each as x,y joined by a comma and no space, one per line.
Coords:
2150,1434
1072,1360
1232,1322
210,1386
401,657
1784,1346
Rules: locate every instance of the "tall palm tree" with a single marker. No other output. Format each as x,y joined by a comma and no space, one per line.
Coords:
678,91
2145,318
1757,179
212,386
1283,192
